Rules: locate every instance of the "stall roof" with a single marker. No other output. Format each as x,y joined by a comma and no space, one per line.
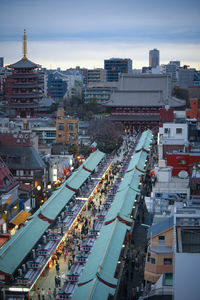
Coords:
84,171
14,251
105,254
102,263
94,289
56,203
93,160
144,141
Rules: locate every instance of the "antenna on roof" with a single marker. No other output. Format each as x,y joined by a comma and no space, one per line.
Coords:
24,45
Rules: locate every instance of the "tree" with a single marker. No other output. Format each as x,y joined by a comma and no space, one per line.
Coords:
181,94
73,149
106,134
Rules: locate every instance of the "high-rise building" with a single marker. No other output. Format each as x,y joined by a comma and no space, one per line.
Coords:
57,87
186,77
154,58
24,87
172,69
1,62
175,62
115,66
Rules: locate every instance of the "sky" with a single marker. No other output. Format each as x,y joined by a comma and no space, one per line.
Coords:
70,33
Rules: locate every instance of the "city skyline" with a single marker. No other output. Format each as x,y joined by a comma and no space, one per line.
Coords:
72,33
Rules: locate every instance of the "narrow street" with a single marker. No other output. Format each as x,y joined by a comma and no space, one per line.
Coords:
53,280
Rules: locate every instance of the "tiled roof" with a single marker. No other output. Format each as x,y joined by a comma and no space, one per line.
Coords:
123,98
29,158
24,64
14,251
102,264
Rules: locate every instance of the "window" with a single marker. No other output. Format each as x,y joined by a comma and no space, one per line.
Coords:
71,137
70,127
182,162
153,261
61,126
161,239
178,130
167,261
27,172
167,130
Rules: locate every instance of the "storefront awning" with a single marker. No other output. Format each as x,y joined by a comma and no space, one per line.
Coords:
20,218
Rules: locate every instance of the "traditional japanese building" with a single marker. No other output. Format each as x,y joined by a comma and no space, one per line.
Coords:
24,87
139,99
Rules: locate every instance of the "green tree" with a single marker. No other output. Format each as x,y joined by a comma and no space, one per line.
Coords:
181,94
73,149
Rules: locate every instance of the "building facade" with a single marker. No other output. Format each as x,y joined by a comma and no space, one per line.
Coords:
96,75
186,77
154,58
159,258
66,129
137,102
57,87
193,112
115,66
1,62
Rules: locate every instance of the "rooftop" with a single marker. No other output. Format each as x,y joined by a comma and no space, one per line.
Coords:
24,64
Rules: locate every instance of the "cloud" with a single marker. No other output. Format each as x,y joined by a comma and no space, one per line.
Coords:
71,53
75,32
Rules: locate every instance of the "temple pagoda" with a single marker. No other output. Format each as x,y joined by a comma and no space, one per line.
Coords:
24,87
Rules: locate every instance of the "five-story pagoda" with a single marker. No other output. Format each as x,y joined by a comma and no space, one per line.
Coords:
24,87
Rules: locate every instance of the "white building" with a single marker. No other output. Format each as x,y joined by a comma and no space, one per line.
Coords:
172,136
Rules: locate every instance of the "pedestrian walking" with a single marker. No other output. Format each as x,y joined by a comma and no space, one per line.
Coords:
59,281
43,294
49,293
56,281
65,256
38,293
54,293
57,268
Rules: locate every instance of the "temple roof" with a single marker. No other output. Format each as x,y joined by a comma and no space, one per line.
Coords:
24,64
151,98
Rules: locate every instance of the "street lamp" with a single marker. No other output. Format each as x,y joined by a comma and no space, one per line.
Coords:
38,187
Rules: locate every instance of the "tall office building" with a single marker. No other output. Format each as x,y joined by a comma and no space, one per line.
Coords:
1,62
115,66
172,69
154,58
